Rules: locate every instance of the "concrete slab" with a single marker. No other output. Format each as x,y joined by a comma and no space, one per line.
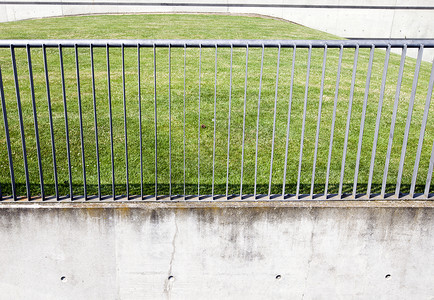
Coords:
276,250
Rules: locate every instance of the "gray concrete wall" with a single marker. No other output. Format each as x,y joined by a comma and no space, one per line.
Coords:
292,250
346,18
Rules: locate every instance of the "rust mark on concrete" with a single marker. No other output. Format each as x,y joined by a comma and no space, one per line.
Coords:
123,211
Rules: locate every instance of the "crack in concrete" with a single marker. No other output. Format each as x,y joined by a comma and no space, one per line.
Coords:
309,260
307,276
168,283
115,219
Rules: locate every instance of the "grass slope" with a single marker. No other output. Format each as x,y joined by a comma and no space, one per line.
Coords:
204,27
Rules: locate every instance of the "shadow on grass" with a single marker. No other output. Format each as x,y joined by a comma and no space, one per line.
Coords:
205,189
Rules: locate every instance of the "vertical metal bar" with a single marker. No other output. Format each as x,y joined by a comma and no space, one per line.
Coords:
215,123
430,172
274,121
257,120
377,122
140,120
127,183
407,124
185,55
92,67
318,120
362,122
422,132
50,115
347,128
392,126
198,133
65,108
338,76
155,120
306,91
285,168
170,126
111,121
244,122
20,115
81,122
35,120
8,140
229,123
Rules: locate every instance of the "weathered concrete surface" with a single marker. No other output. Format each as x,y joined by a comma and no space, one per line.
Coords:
217,251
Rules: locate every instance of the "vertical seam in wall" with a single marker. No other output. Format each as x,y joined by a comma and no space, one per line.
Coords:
338,12
10,14
6,12
393,20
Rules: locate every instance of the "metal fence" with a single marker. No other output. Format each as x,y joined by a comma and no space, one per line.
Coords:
95,120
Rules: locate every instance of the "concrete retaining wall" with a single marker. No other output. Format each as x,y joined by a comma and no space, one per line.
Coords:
301,250
347,18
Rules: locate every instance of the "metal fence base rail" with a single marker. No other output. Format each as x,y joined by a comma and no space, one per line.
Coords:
215,120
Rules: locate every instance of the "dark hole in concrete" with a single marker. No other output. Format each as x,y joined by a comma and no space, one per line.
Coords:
278,276
63,278
387,276
171,278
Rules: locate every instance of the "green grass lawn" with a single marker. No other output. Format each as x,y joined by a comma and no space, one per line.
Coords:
204,27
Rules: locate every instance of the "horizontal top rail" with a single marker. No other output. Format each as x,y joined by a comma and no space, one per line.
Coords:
410,43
